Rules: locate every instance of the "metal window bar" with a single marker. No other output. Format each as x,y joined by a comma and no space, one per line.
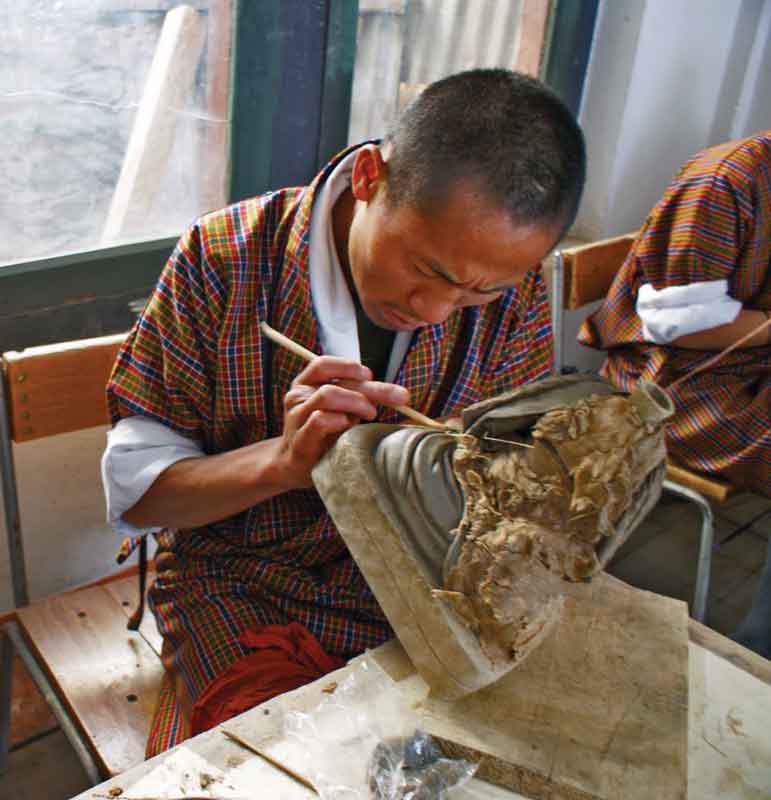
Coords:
558,311
11,501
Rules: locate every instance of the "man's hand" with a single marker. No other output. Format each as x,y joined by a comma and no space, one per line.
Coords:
329,396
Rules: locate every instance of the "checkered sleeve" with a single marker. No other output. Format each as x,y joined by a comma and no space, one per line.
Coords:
165,371
695,234
520,337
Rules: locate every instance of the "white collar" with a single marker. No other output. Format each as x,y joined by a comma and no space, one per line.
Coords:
332,301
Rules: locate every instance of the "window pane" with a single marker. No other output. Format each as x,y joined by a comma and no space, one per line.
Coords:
114,120
404,44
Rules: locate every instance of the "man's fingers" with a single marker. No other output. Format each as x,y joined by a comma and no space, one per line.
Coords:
331,398
318,433
326,369
350,374
380,393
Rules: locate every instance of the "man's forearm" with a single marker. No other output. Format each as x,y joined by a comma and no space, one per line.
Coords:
725,335
199,491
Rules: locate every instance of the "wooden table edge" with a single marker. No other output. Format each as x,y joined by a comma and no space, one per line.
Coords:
731,651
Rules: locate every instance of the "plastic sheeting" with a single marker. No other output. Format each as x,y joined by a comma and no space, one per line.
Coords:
73,75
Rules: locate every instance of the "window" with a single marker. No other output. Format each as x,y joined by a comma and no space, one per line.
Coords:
114,121
402,45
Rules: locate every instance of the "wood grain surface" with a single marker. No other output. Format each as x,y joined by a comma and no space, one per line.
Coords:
712,488
746,660
59,390
108,676
30,715
126,593
591,268
598,711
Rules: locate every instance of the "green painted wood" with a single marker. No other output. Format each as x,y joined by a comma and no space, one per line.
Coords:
256,59
79,295
290,106
338,78
38,285
569,45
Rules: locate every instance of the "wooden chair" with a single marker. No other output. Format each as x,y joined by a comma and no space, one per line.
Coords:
583,275
100,680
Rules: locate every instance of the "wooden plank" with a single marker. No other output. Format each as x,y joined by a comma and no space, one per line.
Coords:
168,87
30,715
408,92
599,710
59,388
398,7
107,676
712,488
590,269
729,746
729,650
531,36
126,593
214,157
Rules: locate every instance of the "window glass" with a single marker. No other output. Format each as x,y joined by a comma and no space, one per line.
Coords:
402,45
114,120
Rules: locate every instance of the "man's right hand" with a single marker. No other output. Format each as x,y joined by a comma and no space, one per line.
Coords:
329,396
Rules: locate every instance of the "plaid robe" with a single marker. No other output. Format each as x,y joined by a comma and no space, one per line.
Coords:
195,361
713,223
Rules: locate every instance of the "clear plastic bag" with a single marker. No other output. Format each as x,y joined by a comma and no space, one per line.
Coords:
414,768
363,741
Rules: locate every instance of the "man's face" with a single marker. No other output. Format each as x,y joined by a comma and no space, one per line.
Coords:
412,268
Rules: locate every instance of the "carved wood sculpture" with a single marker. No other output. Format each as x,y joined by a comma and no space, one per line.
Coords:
468,540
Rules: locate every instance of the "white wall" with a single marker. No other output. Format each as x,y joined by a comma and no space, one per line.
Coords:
65,537
666,79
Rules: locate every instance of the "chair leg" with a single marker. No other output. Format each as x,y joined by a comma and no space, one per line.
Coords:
704,566
11,631
6,665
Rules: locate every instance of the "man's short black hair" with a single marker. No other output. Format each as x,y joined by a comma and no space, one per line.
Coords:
504,131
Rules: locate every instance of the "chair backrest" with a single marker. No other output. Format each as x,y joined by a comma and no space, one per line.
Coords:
45,391
584,274
581,275
58,388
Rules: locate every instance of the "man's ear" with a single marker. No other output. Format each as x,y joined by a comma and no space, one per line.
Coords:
370,173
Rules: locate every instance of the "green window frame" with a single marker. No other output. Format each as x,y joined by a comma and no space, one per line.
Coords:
299,125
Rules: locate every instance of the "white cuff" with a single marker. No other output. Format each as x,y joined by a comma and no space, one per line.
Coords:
676,311
138,451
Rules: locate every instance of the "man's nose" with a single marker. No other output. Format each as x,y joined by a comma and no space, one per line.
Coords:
432,306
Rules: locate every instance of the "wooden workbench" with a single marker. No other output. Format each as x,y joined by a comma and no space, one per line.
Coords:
729,748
